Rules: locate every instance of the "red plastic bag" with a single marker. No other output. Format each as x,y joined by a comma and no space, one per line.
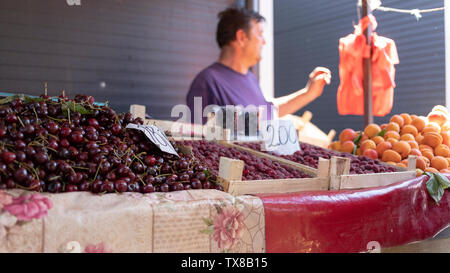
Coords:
352,49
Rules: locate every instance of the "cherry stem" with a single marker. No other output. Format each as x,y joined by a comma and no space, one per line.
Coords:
20,120
98,169
140,178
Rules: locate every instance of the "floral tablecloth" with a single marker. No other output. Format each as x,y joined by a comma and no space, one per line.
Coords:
185,221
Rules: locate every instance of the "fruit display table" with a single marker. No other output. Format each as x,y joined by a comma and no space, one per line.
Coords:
214,221
78,177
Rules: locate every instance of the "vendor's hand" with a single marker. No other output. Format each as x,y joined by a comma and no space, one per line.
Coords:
317,80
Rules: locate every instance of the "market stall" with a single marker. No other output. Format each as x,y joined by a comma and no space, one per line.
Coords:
78,177
156,205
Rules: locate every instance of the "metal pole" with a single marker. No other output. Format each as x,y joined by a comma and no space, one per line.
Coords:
367,68
253,5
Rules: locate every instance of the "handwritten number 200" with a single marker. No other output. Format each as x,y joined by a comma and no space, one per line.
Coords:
290,133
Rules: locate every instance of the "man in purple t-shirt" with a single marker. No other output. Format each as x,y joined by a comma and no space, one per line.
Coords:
229,81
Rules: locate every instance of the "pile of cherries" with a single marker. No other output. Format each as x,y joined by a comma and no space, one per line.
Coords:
255,168
57,144
310,154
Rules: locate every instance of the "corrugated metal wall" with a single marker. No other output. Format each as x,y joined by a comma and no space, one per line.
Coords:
124,51
307,35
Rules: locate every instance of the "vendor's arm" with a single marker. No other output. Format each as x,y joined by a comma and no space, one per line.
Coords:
293,102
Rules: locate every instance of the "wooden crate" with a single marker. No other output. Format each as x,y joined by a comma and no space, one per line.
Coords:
340,177
236,186
230,176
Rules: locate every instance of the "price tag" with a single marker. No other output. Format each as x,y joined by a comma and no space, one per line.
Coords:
156,136
280,136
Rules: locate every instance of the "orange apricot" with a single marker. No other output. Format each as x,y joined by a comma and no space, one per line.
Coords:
405,161
419,123
335,145
402,147
413,144
445,127
432,139
370,153
406,118
425,147
372,130
434,125
392,140
378,139
391,163
397,119
439,162
409,129
426,160
439,107
445,137
407,137
431,170
442,150
419,172
367,144
391,155
393,126
347,134
430,128
383,126
347,146
420,163
364,137
419,138
439,117
415,151
402,165
392,134
428,154
383,146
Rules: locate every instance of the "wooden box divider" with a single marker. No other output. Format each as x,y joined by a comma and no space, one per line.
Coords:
306,169
240,187
341,179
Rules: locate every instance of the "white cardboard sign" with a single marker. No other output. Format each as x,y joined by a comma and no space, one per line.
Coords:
280,136
156,136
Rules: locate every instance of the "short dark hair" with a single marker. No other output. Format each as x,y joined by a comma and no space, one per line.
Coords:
233,19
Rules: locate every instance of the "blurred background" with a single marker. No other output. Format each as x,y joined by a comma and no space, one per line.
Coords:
148,51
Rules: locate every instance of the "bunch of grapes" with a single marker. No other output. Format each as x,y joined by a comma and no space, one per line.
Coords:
310,154
57,144
255,168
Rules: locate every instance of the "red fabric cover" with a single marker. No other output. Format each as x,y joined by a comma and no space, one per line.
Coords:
352,49
347,220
